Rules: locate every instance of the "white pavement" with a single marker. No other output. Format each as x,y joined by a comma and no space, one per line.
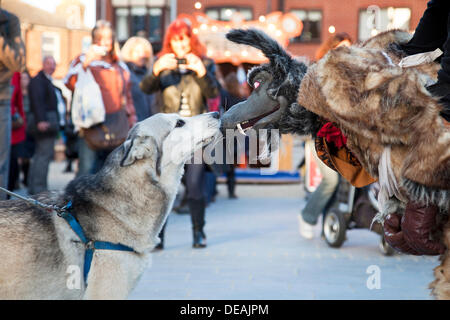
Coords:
255,252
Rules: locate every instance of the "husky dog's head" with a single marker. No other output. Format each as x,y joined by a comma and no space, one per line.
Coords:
165,139
273,102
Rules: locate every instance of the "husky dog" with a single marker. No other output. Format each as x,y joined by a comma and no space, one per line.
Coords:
125,203
391,122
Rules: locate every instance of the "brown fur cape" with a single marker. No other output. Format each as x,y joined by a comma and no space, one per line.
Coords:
378,104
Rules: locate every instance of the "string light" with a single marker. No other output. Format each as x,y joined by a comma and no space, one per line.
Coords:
198,5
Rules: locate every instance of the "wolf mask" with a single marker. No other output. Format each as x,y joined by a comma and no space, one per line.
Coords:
275,88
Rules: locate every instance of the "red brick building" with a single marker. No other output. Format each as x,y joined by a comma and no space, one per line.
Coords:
321,18
61,34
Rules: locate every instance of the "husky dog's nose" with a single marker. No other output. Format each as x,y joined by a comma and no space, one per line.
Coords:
215,115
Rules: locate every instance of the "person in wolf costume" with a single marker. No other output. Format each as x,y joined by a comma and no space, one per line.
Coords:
372,120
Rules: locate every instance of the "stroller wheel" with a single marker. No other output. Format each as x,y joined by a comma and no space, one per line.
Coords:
334,228
385,248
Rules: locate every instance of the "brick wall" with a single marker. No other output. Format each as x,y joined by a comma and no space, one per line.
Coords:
343,15
70,46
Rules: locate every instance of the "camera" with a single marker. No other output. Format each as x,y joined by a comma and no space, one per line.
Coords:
181,61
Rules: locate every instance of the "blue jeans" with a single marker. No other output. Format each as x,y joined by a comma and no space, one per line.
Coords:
5,144
90,161
43,155
86,158
322,195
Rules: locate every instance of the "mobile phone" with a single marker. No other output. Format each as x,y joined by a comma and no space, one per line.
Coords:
181,60
101,51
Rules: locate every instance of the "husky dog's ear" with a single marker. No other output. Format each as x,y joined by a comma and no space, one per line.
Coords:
141,147
278,57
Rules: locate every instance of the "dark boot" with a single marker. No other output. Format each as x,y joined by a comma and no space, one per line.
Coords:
197,209
68,166
231,183
160,246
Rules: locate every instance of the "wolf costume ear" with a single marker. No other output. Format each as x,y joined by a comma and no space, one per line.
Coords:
277,56
141,147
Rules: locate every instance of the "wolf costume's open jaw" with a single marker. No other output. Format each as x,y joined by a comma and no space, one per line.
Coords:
248,124
275,91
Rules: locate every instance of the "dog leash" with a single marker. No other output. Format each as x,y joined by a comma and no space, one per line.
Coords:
48,207
66,214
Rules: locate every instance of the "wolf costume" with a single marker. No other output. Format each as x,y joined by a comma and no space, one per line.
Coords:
391,123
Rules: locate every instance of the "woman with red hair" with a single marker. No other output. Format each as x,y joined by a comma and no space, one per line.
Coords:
186,79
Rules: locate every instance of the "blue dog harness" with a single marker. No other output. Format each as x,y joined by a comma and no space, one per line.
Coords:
90,245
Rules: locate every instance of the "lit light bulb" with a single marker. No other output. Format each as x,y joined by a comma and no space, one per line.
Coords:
198,5
262,18
331,29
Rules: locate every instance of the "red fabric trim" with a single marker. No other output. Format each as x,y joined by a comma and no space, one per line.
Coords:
332,134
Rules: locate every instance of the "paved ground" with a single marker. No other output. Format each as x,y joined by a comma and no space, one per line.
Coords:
255,252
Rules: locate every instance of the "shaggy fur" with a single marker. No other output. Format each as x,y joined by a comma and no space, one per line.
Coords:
286,74
349,84
126,202
376,104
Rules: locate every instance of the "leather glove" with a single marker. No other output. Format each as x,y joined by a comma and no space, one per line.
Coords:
411,233
419,222
394,236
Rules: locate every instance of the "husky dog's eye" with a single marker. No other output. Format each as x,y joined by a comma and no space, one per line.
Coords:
180,123
256,84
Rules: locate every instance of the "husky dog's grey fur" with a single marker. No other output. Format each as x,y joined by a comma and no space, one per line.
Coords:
126,202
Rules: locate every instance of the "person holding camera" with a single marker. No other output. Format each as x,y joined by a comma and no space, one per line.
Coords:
186,79
112,77
12,59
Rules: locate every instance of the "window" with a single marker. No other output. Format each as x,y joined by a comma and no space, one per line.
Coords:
312,25
226,13
139,20
155,34
50,45
122,31
374,20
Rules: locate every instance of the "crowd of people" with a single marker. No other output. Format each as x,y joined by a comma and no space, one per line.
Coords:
133,84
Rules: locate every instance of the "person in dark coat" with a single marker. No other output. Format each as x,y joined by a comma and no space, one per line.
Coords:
137,53
12,59
432,32
411,233
185,78
44,99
